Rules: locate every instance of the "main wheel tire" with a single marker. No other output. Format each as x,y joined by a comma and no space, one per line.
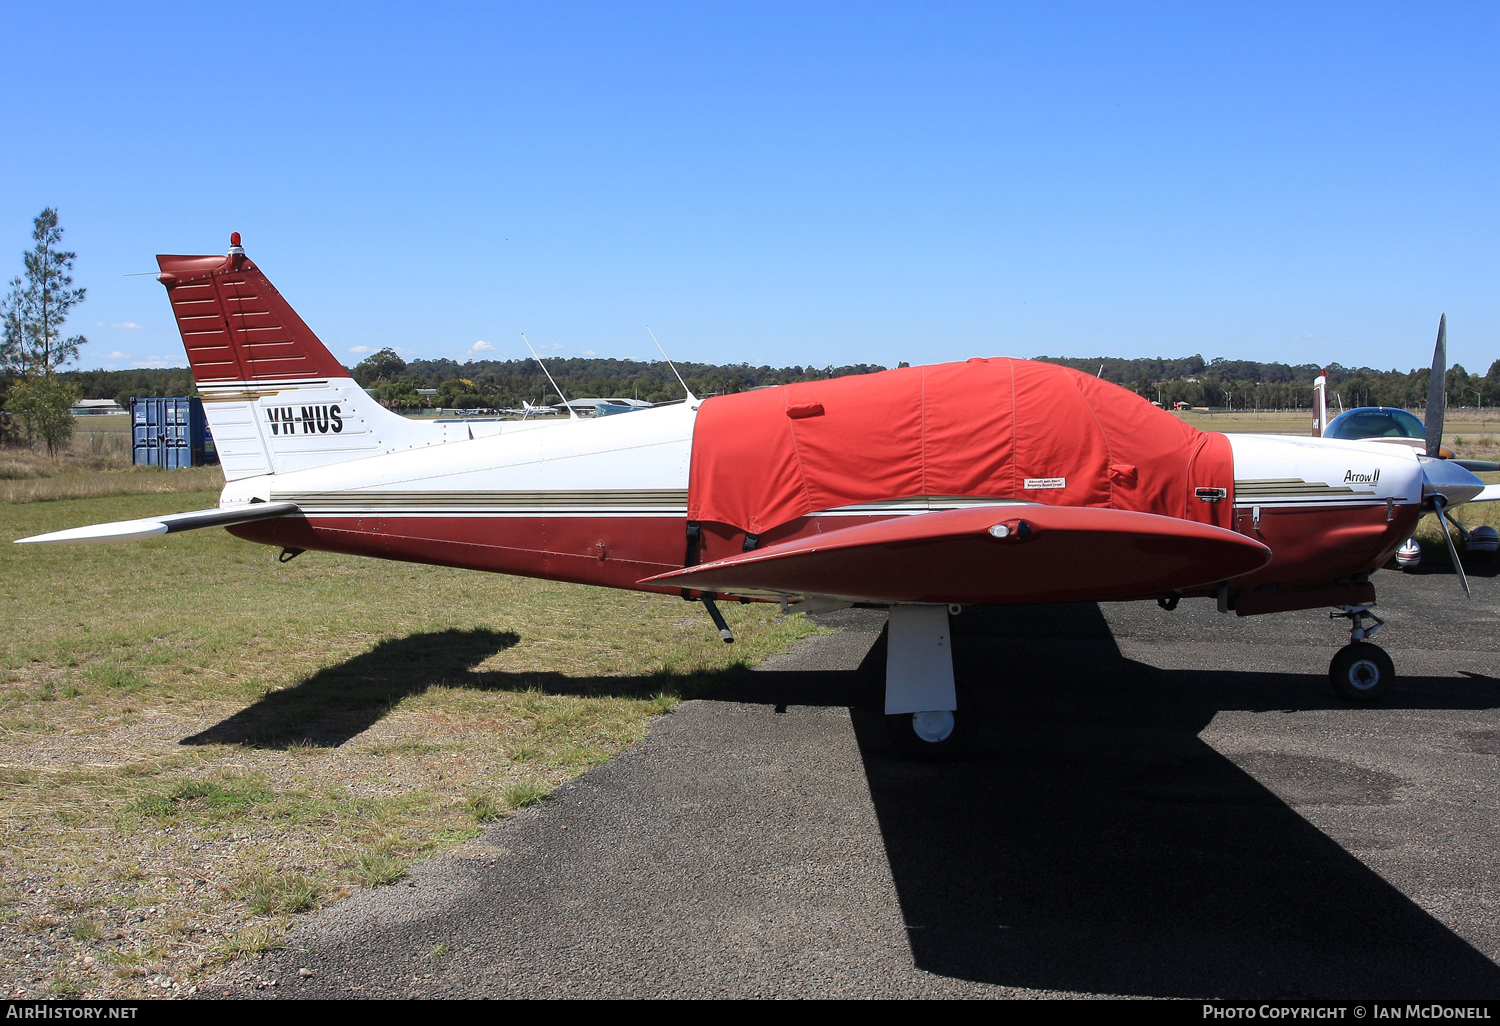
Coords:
936,737
1361,672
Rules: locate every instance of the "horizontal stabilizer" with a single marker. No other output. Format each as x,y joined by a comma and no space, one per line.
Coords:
989,554
171,523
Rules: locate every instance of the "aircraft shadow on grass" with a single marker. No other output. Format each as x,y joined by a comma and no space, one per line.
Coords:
339,702
1094,843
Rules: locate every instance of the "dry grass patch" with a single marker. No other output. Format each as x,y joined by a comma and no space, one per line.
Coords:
95,464
1268,422
197,743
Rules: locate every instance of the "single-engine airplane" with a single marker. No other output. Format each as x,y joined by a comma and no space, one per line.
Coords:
919,490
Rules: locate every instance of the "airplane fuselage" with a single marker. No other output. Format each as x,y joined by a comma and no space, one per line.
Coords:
604,502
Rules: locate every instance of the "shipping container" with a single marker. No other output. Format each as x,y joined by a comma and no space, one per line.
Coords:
171,433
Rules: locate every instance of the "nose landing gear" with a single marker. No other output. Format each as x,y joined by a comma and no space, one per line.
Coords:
1360,671
929,716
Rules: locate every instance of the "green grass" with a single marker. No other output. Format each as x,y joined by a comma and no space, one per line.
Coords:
112,676
85,930
191,727
215,799
485,807
378,868
525,792
256,939
276,893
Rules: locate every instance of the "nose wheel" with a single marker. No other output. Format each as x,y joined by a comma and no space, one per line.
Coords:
1360,671
936,736
930,717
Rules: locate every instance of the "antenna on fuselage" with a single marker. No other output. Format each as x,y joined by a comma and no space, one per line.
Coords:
1320,403
691,397
572,413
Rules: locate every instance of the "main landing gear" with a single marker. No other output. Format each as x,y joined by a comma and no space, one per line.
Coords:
928,715
1360,671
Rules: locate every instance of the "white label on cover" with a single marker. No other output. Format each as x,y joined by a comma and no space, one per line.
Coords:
1035,484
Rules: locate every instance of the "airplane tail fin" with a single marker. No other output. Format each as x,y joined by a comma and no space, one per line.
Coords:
276,399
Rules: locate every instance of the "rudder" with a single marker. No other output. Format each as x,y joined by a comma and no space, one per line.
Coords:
276,399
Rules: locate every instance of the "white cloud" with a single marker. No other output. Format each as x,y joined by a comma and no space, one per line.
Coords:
129,324
117,355
153,363
481,347
589,352
359,349
555,345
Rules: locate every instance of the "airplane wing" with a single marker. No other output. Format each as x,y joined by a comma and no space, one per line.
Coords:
171,523
989,554
1491,493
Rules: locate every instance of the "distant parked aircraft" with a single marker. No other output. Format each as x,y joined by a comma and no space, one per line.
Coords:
603,407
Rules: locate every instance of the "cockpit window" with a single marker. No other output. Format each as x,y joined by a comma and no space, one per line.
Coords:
1378,422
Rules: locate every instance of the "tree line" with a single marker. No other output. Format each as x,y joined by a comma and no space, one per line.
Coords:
494,384
1249,385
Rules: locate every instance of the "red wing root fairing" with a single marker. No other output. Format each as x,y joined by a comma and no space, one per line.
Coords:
990,554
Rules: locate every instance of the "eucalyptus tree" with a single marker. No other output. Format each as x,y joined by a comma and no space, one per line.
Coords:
38,303
32,344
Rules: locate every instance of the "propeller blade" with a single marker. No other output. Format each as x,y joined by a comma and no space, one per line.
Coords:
1452,549
1478,466
1437,392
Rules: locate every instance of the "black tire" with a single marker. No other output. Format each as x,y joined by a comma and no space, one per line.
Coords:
904,733
1361,672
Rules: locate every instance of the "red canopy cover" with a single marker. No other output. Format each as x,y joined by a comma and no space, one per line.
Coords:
997,428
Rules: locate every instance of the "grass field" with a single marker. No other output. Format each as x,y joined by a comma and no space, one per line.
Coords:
198,743
1471,433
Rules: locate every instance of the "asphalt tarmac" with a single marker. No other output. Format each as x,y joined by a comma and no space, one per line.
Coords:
1161,804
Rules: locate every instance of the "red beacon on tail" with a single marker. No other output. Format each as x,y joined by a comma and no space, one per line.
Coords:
993,481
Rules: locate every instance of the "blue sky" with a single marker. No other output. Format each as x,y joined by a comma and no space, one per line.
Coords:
801,183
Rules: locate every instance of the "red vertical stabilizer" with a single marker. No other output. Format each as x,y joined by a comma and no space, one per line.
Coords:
236,326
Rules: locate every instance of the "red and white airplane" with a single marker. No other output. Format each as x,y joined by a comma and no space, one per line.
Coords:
919,490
